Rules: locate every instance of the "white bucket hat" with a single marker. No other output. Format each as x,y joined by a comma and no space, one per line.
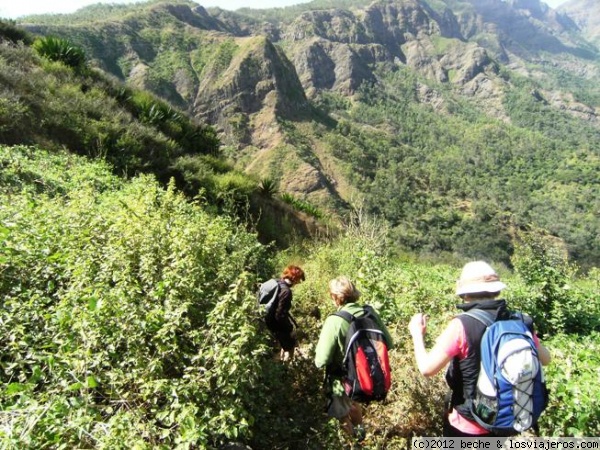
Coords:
476,277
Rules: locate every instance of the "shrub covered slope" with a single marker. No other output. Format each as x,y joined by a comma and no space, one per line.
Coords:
455,121
128,320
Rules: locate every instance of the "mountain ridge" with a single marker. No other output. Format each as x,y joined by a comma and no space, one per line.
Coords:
277,84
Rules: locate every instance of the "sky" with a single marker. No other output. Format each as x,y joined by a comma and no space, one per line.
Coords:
13,9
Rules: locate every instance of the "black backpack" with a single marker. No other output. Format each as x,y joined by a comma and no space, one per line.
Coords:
366,361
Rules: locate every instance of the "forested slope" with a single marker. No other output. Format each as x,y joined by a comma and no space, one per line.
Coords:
458,121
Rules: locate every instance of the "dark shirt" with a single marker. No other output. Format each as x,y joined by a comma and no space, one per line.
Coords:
284,301
278,317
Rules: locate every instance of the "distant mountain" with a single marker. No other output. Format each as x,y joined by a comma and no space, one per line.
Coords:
332,49
586,15
407,106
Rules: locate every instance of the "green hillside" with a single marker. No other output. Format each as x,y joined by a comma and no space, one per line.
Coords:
131,248
455,135
56,101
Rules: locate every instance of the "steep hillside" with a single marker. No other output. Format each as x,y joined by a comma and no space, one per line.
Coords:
51,98
246,88
405,106
129,321
586,15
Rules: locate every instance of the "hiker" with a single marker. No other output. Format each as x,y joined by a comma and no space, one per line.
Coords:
278,318
330,354
479,287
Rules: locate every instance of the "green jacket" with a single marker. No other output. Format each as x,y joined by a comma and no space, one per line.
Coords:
330,348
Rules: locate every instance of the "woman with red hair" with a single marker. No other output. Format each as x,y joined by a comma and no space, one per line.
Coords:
278,317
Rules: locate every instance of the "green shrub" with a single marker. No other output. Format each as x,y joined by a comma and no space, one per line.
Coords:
9,30
268,187
301,205
573,383
542,263
224,54
125,309
235,184
58,49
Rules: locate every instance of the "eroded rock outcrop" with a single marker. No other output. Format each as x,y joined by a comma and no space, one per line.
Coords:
258,81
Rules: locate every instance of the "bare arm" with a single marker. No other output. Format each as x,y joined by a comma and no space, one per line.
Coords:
544,355
428,363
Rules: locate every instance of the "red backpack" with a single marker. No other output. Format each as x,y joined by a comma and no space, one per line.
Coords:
366,361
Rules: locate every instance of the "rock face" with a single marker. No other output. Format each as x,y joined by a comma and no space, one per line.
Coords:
350,44
585,15
323,65
259,79
248,72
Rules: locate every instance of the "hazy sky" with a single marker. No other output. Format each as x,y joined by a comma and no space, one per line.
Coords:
13,9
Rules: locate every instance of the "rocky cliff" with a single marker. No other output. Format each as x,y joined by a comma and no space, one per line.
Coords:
585,14
250,72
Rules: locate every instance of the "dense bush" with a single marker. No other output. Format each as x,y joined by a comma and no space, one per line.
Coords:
128,320
573,383
10,31
125,315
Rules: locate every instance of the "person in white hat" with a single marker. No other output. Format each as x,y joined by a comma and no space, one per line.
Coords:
479,286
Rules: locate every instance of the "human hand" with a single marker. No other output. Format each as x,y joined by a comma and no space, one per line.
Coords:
418,325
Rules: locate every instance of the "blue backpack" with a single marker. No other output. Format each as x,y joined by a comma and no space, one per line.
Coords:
511,390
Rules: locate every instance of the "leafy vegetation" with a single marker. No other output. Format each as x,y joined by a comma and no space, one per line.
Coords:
301,205
268,187
573,410
107,287
57,49
128,314
129,320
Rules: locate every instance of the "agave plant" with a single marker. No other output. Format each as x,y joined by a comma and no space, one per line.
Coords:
58,49
268,187
301,205
288,198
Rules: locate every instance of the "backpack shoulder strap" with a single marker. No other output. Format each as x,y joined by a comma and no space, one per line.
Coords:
480,315
369,311
282,285
344,315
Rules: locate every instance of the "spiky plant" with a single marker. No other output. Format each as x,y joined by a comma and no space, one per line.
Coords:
268,187
58,49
